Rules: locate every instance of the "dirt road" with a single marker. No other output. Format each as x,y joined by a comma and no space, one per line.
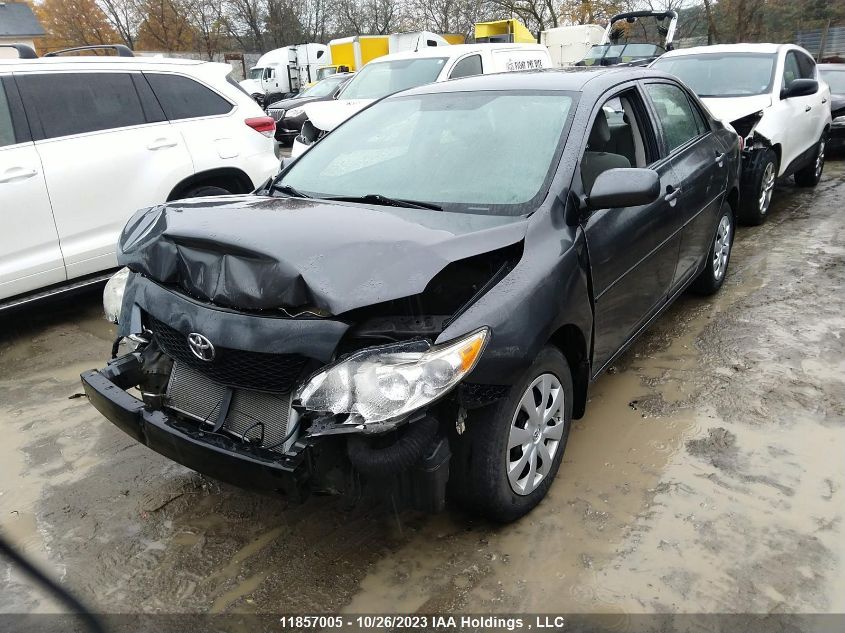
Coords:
708,474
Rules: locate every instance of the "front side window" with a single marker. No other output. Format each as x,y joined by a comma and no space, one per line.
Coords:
379,79
722,74
467,67
674,114
7,132
75,103
183,98
454,150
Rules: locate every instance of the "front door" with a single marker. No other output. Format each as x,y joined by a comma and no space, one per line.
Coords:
30,257
633,250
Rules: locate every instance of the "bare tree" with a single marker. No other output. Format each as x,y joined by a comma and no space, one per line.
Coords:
125,18
208,24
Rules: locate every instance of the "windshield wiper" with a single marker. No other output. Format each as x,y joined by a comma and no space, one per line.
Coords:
288,191
377,198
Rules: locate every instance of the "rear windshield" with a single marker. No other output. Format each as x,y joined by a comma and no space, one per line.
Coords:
379,79
455,150
723,74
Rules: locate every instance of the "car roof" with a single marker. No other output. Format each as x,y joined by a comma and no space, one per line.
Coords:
574,79
728,48
455,50
82,61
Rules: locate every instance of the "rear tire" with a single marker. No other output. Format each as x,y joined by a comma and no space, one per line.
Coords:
715,270
810,175
758,182
206,190
504,482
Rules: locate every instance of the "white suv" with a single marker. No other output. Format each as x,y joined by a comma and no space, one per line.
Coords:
86,141
772,95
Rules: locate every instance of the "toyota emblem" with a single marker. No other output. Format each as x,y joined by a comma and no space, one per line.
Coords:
201,347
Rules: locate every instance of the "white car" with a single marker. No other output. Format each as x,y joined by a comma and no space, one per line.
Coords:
771,94
400,71
85,141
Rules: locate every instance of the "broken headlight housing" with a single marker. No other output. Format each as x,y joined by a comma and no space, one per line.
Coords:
389,381
113,294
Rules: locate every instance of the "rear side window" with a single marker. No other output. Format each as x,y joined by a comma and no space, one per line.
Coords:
467,67
75,103
7,132
674,114
183,98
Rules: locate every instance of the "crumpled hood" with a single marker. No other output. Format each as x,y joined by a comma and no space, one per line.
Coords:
259,253
729,109
327,115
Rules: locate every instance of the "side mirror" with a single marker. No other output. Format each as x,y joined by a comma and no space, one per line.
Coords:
800,88
624,187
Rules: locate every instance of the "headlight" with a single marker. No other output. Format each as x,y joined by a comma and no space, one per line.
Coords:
385,382
113,294
295,112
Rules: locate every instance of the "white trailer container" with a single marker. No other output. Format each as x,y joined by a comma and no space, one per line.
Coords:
569,44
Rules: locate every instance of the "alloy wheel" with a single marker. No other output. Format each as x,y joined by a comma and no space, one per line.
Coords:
820,159
722,247
535,433
767,184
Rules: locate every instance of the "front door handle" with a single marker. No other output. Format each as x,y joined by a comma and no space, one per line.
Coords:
672,194
16,174
720,159
161,143
808,108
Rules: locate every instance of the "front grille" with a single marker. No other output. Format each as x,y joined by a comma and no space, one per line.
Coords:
274,373
277,114
255,417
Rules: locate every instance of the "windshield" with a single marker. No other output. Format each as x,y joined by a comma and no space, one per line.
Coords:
488,153
378,79
328,71
255,73
323,88
835,79
722,75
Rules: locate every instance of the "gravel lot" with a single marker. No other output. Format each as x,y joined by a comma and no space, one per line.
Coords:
707,476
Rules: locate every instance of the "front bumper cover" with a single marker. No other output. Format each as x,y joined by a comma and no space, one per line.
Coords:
211,454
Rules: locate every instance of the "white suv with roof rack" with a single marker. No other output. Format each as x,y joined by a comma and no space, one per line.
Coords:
772,95
85,141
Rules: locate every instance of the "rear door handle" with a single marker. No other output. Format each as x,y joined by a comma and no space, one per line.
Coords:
824,100
161,143
720,159
672,194
808,108
16,174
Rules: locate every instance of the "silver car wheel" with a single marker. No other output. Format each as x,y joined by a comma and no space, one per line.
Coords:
767,184
722,248
820,159
535,434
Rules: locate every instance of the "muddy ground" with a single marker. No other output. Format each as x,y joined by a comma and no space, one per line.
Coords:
707,476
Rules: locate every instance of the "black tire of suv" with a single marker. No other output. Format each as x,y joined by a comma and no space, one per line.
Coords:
707,283
206,190
750,213
810,175
479,480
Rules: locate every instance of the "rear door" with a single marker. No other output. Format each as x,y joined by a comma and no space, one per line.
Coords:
107,151
30,257
700,165
798,115
633,250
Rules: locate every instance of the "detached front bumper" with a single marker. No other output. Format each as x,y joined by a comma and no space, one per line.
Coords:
211,454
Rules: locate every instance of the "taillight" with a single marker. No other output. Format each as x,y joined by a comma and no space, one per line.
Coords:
265,125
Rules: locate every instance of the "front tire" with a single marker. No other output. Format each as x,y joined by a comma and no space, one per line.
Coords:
715,270
758,183
810,175
511,450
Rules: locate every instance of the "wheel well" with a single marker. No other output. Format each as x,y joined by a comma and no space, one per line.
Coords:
570,341
228,178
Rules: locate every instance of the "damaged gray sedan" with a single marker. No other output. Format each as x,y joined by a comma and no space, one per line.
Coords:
418,304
